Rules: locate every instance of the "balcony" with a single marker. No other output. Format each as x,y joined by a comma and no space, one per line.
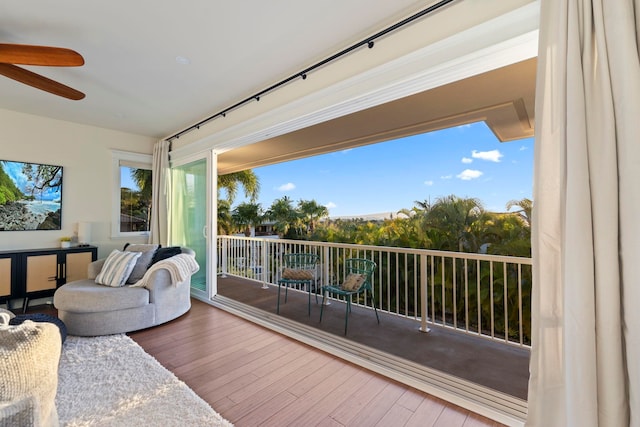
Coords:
456,325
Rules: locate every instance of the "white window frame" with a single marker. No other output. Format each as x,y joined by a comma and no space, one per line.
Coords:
125,158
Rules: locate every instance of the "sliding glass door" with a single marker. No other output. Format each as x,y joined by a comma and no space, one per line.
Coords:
189,223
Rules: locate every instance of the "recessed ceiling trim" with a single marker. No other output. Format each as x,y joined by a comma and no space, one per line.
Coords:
507,39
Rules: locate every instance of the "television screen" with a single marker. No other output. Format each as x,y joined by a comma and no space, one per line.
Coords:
30,196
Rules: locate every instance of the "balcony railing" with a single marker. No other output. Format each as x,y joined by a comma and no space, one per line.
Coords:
483,295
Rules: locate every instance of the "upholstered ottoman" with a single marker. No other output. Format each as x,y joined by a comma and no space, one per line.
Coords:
41,317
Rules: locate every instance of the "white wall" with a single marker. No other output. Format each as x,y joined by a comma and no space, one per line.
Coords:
85,154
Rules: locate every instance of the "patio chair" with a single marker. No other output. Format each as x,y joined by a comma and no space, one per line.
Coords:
298,269
358,279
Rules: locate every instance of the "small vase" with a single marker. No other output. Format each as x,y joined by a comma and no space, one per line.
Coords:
65,245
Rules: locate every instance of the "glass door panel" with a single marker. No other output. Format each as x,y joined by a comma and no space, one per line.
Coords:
188,216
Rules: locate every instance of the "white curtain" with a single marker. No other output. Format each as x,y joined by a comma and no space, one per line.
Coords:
179,221
161,188
586,228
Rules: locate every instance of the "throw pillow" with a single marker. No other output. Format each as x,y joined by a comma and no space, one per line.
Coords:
146,255
117,268
164,253
353,282
295,274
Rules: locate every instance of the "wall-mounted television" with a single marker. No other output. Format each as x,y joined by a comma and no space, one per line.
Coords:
30,196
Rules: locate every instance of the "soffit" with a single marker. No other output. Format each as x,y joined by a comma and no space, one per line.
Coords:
503,98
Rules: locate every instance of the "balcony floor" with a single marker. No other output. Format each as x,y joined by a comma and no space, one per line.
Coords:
492,364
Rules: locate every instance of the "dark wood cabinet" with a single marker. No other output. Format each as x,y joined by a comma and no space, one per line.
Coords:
36,273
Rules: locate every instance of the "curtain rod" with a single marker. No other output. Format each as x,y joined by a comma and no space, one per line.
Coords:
369,41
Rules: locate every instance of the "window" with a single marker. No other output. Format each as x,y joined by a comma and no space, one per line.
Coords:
132,194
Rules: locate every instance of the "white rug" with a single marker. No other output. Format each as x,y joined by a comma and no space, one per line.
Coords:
112,381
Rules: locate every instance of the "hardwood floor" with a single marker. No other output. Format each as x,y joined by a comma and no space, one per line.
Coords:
253,376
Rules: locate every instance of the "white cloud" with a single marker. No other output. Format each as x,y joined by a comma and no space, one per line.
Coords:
428,183
287,187
446,177
523,148
330,205
469,174
492,156
466,160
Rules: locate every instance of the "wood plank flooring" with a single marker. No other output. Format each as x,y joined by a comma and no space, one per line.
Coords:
255,377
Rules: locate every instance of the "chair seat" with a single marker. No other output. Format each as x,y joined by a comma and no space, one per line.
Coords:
338,290
294,281
85,296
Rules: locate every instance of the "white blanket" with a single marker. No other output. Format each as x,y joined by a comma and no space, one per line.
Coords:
180,268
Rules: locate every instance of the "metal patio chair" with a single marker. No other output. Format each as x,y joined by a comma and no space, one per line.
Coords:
358,279
298,269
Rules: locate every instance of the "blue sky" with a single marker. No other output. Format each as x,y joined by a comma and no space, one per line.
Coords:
125,179
14,170
467,161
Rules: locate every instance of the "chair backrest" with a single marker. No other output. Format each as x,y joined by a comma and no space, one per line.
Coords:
361,266
300,261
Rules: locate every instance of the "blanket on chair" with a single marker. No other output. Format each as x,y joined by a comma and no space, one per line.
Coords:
180,268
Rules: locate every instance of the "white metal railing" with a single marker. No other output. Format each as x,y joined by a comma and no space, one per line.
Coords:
484,295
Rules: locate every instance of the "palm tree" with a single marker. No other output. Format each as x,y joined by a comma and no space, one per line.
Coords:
225,222
285,216
526,207
143,179
246,215
311,212
247,179
461,220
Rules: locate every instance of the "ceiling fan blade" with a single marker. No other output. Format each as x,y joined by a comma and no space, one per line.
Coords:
39,55
36,80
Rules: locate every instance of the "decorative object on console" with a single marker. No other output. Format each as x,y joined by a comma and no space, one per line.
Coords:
32,196
84,233
65,242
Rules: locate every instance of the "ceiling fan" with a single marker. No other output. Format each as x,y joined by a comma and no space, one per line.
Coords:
11,54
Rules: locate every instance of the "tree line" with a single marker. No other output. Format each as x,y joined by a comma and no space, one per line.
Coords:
450,223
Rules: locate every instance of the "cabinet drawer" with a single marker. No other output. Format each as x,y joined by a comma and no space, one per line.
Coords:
42,272
77,266
5,276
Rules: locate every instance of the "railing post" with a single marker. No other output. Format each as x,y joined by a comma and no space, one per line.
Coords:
325,273
265,265
225,244
424,301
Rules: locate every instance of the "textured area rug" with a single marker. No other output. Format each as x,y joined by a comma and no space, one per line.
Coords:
112,381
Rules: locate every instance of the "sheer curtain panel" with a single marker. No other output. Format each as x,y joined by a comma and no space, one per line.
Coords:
586,233
161,187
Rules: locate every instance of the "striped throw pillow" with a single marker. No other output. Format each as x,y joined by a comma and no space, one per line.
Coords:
117,268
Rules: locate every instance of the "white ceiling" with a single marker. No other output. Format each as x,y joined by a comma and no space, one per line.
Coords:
131,78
